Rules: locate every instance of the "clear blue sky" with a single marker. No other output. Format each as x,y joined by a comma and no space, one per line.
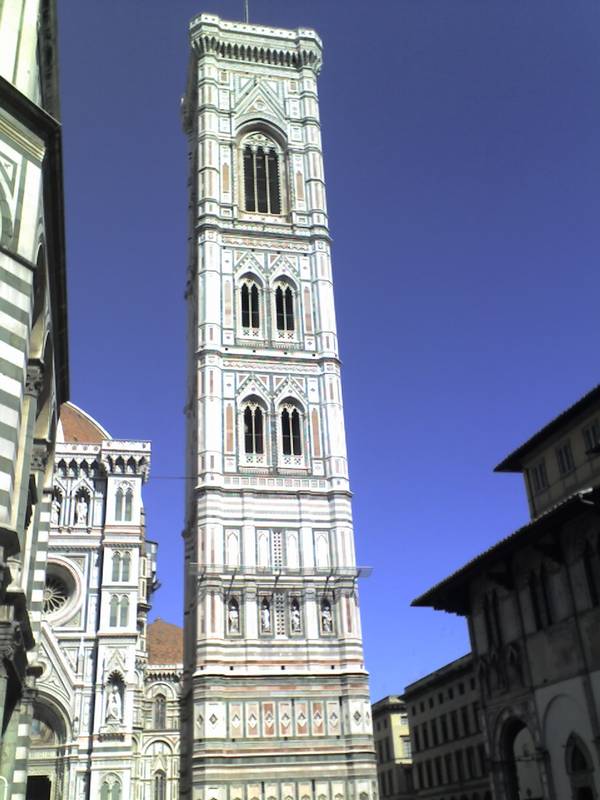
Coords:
462,158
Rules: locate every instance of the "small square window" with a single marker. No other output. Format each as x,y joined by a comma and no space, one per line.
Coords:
591,436
564,456
539,477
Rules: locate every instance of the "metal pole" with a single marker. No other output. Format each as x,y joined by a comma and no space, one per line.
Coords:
246,12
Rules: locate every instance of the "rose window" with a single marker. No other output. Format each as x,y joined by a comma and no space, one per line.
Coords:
56,594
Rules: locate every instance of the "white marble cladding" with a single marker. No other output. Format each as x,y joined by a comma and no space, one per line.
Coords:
273,636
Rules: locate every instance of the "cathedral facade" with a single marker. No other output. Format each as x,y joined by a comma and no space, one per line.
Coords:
276,703
106,707
34,376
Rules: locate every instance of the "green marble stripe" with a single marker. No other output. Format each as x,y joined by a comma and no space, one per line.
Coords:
16,283
9,433
11,370
5,499
11,401
7,465
13,339
14,311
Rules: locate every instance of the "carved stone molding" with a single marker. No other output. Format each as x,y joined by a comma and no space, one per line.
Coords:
34,379
40,453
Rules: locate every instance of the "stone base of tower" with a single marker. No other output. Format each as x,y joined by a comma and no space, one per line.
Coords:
279,737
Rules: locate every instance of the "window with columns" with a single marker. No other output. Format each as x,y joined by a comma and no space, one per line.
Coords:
254,431
250,306
291,430
261,167
124,503
284,310
119,611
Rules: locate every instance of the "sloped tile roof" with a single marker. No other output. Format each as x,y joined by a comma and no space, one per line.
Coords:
165,643
78,427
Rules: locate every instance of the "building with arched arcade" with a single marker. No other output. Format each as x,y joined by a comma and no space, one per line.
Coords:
106,708
532,602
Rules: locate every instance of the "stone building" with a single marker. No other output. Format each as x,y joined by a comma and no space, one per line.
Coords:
276,703
106,707
449,758
33,352
393,748
533,607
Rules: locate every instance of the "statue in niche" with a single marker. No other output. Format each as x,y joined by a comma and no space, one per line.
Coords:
114,703
55,510
233,617
295,620
326,617
81,511
265,616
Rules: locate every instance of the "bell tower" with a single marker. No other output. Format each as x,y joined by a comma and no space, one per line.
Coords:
276,703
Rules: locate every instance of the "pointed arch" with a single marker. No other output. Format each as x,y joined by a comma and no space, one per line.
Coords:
291,427
160,711
253,428
261,156
285,296
116,566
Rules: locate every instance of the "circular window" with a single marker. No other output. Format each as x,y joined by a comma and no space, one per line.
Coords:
60,589
56,594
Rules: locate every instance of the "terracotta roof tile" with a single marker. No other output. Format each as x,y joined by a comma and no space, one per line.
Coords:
77,426
165,643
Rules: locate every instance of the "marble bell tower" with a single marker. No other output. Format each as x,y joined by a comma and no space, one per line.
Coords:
276,703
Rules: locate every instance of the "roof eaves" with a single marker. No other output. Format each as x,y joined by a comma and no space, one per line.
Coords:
444,595
514,461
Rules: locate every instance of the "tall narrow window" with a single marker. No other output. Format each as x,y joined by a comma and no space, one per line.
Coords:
262,192
160,711
535,604
160,786
114,611
116,566
253,430
291,440
546,598
284,309
250,305
128,505
564,457
124,612
125,566
119,504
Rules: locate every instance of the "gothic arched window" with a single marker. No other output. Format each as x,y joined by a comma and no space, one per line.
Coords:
116,567
160,786
291,439
250,304
160,711
111,788
125,566
284,309
253,429
114,611
262,191
124,503
124,612
119,504
128,505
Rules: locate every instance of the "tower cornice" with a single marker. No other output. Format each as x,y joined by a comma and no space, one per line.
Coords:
258,44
